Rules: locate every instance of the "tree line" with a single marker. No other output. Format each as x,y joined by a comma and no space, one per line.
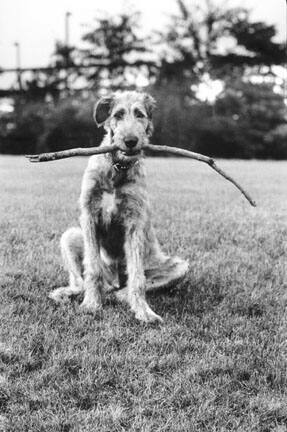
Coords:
201,45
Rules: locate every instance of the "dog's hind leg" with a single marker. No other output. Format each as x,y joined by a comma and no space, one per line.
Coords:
160,275
161,271
165,273
72,248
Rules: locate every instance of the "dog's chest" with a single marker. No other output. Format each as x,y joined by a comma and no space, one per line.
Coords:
111,228
109,207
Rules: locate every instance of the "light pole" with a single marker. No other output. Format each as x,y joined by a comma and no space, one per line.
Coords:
67,45
18,64
67,28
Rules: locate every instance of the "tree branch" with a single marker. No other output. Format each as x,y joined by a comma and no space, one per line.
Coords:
201,158
45,157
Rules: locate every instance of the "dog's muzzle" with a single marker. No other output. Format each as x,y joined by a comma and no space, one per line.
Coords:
131,142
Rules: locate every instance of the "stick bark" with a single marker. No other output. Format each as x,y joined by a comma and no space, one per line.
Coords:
45,157
197,156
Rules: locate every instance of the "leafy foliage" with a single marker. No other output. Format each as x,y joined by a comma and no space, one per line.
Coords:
115,42
257,37
53,81
40,127
191,51
196,37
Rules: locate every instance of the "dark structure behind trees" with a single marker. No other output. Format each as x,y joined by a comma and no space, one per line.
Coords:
247,119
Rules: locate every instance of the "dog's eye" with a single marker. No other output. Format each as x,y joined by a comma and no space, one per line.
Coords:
139,114
119,115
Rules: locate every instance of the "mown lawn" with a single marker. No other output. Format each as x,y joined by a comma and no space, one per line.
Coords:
218,363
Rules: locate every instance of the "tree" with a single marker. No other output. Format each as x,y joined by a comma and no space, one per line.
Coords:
56,78
196,42
114,42
252,110
192,38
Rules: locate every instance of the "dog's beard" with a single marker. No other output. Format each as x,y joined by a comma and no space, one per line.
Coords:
126,157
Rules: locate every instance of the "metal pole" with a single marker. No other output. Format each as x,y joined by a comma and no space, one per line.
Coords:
67,44
67,29
18,64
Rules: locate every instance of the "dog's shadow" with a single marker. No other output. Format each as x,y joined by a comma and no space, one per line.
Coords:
182,298
186,298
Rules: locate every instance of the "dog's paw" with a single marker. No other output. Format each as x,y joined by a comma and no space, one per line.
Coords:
91,306
145,314
122,295
59,295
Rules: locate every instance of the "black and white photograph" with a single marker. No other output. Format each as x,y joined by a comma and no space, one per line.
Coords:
143,216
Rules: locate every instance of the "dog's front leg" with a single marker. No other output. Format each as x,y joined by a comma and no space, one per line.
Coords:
93,274
134,251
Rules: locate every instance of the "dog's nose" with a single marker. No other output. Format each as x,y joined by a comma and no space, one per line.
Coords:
131,141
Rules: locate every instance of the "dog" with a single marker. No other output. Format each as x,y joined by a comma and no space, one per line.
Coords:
116,248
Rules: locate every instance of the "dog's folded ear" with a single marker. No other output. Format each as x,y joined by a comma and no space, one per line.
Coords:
150,104
103,109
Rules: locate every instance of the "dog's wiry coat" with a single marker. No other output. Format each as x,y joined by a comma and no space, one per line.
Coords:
116,245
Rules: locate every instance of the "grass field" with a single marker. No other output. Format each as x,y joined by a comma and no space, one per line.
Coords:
218,363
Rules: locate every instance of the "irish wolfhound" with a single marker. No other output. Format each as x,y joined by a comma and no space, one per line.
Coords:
116,248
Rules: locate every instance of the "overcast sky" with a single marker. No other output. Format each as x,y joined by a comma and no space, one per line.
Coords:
37,24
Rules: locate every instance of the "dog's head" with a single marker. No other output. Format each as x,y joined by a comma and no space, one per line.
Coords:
128,118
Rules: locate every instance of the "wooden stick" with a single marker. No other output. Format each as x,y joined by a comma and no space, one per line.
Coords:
197,156
45,157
